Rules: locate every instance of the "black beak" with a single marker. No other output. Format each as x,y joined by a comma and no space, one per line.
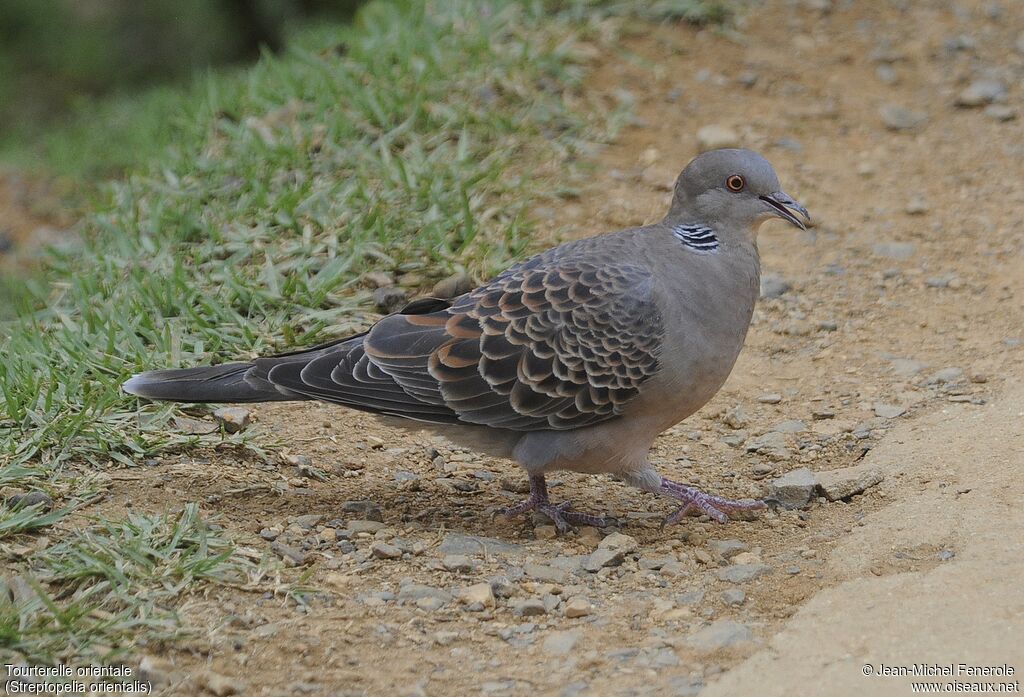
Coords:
780,204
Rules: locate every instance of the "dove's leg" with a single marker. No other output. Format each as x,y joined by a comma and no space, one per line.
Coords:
715,507
559,513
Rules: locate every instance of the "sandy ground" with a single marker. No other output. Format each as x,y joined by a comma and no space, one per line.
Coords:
896,345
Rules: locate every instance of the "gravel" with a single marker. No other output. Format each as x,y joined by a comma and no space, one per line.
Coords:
719,635
742,573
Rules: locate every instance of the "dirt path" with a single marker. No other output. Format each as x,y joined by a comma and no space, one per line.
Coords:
898,326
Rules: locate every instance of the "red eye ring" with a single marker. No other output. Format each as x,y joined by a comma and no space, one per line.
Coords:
735,183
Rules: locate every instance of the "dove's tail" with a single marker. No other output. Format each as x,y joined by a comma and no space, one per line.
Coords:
230,382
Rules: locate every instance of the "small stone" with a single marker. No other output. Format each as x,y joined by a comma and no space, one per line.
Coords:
32,498
430,604
715,136
601,558
762,469
307,522
478,593
770,398
561,643
845,482
1001,112
790,426
389,299
917,206
219,685
774,444
773,286
793,489
907,367
619,542
895,250
378,279
980,93
529,607
823,414
887,74
578,607
474,545
233,419
367,510
727,549
414,592
734,597
545,532
736,417
945,376
889,411
358,526
545,573
748,78
453,286
458,563
719,635
900,118
382,550
742,573
289,553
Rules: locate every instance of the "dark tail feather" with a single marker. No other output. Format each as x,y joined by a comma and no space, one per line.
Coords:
229,382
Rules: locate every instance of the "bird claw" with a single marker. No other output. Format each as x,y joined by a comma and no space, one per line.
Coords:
715,507
560,514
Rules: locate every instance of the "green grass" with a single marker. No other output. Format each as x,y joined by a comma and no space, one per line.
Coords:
412,142
87,597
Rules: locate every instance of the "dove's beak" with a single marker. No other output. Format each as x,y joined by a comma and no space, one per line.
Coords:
782,205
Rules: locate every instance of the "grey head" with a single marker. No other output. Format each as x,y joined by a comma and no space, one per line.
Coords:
732,191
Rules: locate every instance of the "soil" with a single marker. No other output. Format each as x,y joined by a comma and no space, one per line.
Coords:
914,267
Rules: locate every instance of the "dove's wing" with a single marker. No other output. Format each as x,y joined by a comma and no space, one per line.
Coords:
550,344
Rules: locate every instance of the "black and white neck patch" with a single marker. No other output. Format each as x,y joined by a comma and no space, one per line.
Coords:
698,237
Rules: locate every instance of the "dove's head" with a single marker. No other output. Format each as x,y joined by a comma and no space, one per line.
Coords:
733,190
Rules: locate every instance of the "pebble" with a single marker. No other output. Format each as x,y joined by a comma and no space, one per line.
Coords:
715,136
358,526
459,563
414,592
790,426
900,118
382,550
945,376
774,286
793,489
980,93
562,642
32,498
289,553
719,635
895,250
889,411
367,510
478,594
727,549
378,279
453,286
845,482
233,419
545,573
307,522
736,417
219,685
916,206
601,558
733,597
742,573
773,444
389,299
906,367
1000,112
770,398
686,686
578,607
529,607
475,545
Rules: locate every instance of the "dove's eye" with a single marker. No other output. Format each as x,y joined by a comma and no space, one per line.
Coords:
735,183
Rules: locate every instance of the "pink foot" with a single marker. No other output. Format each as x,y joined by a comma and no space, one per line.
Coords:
715,507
